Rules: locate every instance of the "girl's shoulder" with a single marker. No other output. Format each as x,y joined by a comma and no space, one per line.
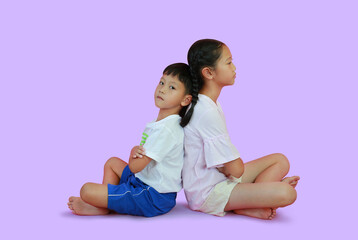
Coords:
206,107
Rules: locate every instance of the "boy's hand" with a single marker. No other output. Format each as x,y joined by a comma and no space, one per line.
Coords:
138,152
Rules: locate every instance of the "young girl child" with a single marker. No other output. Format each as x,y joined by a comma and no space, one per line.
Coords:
215,179
148,185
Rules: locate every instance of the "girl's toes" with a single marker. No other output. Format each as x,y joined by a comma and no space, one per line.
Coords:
273,213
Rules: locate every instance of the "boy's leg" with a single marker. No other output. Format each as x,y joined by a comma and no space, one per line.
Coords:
113,169
94,197
93,200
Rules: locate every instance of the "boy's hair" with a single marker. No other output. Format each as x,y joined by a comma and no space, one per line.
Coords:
203,53
182,71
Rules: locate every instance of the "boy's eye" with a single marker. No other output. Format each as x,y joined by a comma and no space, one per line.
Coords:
171,87
161,83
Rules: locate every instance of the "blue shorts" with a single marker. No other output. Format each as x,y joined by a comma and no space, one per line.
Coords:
134,197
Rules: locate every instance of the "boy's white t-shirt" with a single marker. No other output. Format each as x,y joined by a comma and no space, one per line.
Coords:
207,145
164,144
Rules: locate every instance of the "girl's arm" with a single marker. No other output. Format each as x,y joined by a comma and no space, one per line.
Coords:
234,168
137,160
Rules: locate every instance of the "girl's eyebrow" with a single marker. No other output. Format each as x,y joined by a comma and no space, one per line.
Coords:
229,58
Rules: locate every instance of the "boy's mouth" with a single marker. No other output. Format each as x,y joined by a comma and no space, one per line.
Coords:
160,98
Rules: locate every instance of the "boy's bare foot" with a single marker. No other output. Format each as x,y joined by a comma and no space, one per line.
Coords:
291,180
262,213
79,207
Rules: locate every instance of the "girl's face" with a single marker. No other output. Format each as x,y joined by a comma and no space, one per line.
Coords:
224,73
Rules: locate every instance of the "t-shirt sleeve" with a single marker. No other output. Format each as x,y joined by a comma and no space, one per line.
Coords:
159,144
218,148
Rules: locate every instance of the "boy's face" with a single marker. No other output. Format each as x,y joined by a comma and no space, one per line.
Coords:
170,94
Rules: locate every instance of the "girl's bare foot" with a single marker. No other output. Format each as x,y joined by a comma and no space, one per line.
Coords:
291,180
79,207
262,213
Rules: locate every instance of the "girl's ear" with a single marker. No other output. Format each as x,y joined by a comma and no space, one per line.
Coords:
187,100
207,73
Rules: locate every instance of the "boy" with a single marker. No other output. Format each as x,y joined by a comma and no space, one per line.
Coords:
148,185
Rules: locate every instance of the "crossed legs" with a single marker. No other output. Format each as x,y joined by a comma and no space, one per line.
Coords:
94,197
263,188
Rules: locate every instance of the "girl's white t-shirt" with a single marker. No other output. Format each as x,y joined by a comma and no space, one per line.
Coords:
207,145
164,144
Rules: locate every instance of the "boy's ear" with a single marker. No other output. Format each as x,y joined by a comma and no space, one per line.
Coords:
187,100
207,73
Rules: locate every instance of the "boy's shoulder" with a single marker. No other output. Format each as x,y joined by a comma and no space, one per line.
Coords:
169,124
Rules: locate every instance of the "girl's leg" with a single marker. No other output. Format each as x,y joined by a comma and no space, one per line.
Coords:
260,199
93,200
270,168
113,169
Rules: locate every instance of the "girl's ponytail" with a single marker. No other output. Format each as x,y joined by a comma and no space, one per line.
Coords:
203,53
185,113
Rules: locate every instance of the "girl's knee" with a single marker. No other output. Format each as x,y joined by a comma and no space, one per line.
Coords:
283,161
286,194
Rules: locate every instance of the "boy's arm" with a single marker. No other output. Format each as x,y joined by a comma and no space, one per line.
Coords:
234,168
136,163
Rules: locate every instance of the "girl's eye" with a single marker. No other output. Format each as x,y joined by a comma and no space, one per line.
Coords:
161,83
171,87
229,62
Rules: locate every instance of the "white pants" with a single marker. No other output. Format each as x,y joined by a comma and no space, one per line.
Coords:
216,201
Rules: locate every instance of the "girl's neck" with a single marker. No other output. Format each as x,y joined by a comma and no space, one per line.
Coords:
212,91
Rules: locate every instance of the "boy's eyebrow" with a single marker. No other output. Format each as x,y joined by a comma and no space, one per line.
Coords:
229,58
173,82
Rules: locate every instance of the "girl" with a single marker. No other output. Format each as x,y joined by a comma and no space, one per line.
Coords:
215,179
148,185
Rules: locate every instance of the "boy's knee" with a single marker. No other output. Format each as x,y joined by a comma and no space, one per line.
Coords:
110,162
86,190
286,194
114,161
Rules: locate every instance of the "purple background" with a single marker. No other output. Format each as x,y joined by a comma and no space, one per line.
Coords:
77,84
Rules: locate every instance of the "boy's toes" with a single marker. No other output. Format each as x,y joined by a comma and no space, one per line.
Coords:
71,199
70,206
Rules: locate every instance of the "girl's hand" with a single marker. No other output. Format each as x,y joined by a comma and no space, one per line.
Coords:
222,170
138,152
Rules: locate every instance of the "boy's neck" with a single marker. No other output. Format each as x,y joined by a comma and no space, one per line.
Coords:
163,113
